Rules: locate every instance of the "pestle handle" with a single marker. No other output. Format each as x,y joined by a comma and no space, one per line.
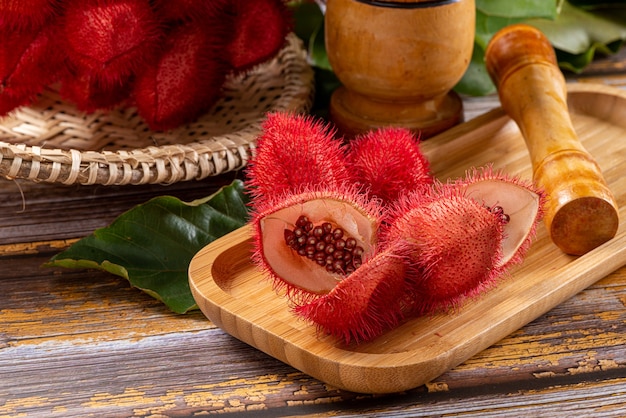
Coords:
580,212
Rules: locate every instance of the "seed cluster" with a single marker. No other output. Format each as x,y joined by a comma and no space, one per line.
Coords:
498,210
325,244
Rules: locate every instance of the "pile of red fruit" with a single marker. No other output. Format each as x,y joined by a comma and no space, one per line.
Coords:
361,236
169,58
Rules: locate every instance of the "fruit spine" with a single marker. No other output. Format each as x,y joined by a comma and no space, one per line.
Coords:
425,246
168,60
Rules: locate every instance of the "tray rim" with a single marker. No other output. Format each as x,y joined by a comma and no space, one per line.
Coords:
343,369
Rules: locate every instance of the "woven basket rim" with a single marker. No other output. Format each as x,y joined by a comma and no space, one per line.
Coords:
285,83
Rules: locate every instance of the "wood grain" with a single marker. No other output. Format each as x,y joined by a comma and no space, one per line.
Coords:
75,344
36,212
229,289
79,343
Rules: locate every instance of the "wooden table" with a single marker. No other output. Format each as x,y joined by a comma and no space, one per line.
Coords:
77,343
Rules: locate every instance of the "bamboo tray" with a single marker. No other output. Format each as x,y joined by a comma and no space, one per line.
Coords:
235,296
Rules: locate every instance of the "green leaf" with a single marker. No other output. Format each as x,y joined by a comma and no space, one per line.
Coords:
309,26
488,25
491,16
317,49
575,30
307,19
578,34
578,29
152,244
517,9
476,80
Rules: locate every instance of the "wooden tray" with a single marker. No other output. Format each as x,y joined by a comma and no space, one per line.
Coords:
237,298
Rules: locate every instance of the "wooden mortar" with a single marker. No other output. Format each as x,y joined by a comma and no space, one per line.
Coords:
397,62
581,212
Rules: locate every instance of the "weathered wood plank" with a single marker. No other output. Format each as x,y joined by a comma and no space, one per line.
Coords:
176,373
162,374
75,343
38,212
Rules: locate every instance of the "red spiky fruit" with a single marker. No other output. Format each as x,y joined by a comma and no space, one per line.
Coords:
295,151
465,235
388,163
10,102
111,39
456,248
520,199
184,10
27,14
260,28
187,79
365,304
300,238
29,61
89,94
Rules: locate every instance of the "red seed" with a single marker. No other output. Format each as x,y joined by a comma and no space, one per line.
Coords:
302,221
312,242
318,231
365,303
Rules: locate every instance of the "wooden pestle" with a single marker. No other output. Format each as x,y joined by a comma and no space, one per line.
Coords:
580,212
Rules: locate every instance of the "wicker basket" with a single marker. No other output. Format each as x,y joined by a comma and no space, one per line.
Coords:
51,141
